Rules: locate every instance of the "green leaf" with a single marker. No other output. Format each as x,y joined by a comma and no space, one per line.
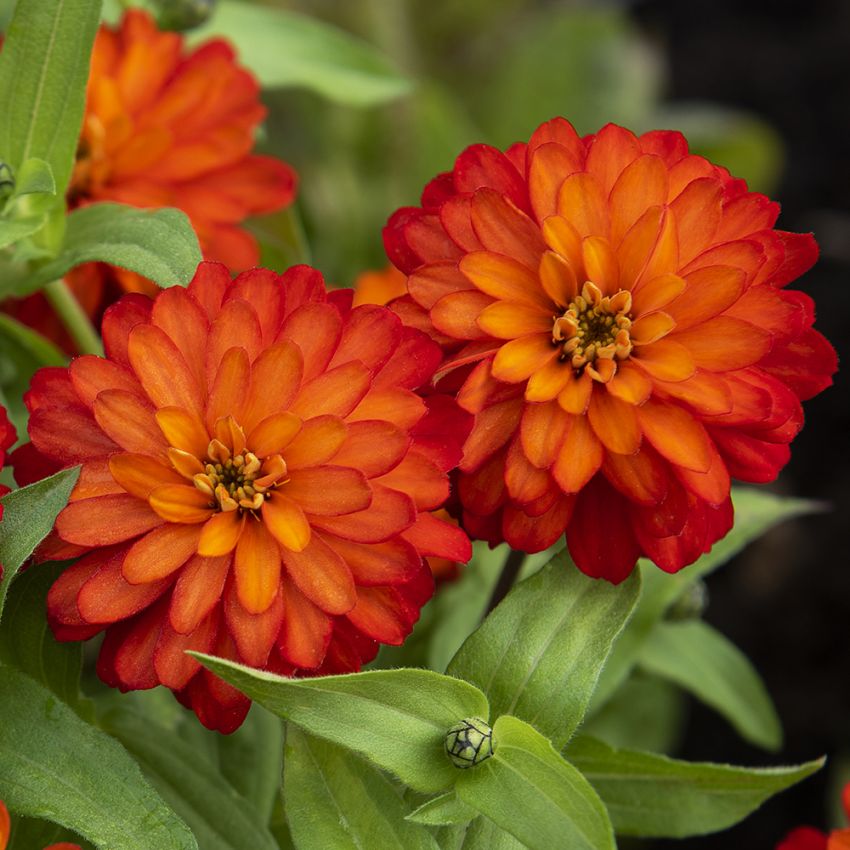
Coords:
40,349
483,834
55,766
527,789
445,810
15,229
34,177
397,719
28,517
335,799
652,795
287,49
701,660
159,244
756,511
219,817
27,643
44,67
539,654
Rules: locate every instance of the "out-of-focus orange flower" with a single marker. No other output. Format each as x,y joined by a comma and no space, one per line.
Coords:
169,126
611,310
809,838
257,481
5,832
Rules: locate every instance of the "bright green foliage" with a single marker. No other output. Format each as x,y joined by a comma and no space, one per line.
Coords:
445,810
699,659
336,800
160,244
398,719
55,766
219,817
28,516
287,49
530,791
539,654
43,71
652,795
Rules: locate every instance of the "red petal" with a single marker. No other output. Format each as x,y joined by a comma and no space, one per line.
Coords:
322,576
389,514
197,591
105,520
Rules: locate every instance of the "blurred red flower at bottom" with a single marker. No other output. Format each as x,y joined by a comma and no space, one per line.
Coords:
6,826
809,838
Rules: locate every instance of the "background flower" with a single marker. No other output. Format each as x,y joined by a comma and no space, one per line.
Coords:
5,833
257,480
809,838
611,311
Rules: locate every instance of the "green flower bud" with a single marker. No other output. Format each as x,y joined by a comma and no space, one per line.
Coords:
691,604
182,15
469,742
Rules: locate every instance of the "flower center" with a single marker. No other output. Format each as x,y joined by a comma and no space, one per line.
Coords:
239,481
594,327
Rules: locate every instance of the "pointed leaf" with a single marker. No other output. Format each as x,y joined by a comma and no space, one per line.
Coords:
445,810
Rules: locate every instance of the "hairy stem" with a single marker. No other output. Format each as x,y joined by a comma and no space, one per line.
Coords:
74,318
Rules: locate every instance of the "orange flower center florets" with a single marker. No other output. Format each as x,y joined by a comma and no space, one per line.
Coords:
594,327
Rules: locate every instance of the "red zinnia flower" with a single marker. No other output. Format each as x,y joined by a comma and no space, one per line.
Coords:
8,436
6,826
168,126
257,480
611,310
809,838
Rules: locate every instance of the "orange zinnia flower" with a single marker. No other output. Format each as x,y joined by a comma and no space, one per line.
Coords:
611,310
168,126
809,838
6,827
257,480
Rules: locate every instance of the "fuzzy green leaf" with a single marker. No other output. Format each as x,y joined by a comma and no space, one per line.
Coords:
28,517
445,810
397,719
539,654
655,796
55,766
701,660
44,67
335,799
14,229
528,790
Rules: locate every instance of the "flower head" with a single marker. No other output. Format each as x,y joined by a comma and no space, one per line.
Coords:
611,309
257,480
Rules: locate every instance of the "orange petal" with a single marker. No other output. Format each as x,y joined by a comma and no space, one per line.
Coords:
186,464
95,480
315,329
600,264
706,392
328,490
542,432
322,576
197,591
275,381
230,386
634,251
428,284
392,562
710,291
651,327
183,431
160,552
273,434
630,384
582,203
141,474
336,392
374,447
657,293
512,319
181,503
525,482
379,615
174,666
237,325
317,442
550,164
564,239
580,456
257,567
177,313
615,423
518,359
640,477
697,209
575,396
105,520
494,426
220,533
162,369
504,278
91,375
723,344
558,278
370,334
421,479
713,485
389,514
611,150
286,521
129,421
456,314
641,185
547,383
666,360
676,435
306,629
401,407
664,257
504,229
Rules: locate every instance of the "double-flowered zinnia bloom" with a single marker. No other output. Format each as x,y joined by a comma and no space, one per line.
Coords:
257,482
5,833
809,838
612,311
169,126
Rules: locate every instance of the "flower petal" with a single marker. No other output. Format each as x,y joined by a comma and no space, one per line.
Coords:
520,358
328,490
286,522
392,562
319,440
676,435
503,278
389,514
336,392
256,566
666,360
306,629
615,423
183,430
160,552
275,381
322,576
140,475
542,432
273,434
372,446
512,319
220,533
630,384
128,420
181,503
197,591
229,387
579,458
105,520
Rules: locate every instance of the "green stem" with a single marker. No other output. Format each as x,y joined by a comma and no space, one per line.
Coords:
510,571
74,318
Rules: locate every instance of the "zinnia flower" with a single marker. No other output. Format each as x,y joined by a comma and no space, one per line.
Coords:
257,480
169,126
809,838
6,827
611,310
